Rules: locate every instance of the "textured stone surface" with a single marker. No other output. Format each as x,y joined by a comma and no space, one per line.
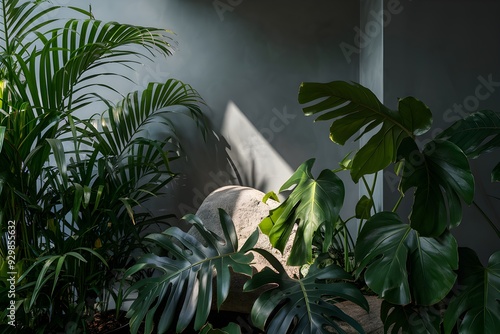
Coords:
247,210
370,321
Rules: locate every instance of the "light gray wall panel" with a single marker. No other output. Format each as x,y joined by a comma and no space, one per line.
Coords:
249,57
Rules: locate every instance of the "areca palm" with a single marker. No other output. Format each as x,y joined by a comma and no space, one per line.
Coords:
74,185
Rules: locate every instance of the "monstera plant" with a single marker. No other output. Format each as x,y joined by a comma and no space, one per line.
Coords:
426,282
180,293
415,266
74,186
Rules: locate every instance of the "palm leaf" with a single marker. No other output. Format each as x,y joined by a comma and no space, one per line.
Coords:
52,268
20,19
357,110
123,123
90,45
185,284
71,59
306,305
137,167
86,193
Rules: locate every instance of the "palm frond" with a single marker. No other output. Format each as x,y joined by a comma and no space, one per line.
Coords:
20,19
123,124
75,56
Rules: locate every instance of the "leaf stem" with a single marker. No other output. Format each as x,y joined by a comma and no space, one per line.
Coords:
371,189
360,225
396,206
347,264
485,216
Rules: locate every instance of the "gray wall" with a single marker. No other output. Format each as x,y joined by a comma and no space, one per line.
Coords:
438,51
247,59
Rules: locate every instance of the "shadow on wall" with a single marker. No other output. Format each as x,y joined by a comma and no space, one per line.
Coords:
254,55
246,158
204,166
259,165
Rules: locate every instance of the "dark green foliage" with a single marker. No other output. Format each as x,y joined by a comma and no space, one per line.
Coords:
477,303
410,319
356,111
442,178
312,203
400,263
183,290
305,305
75,186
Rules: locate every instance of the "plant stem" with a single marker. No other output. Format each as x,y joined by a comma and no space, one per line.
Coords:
396,206
367,186
373,190
360,225
492,224
370,190
347,264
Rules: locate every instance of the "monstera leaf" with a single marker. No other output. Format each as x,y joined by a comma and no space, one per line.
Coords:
305,305
410,319
441,176
389,249
185,286
476,134
311,203
357,110
479,301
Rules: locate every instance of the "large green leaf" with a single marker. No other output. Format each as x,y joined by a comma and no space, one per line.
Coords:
356,111
390,250
183,291
312,202
410,319
441,176
478,301
477,134
305,305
